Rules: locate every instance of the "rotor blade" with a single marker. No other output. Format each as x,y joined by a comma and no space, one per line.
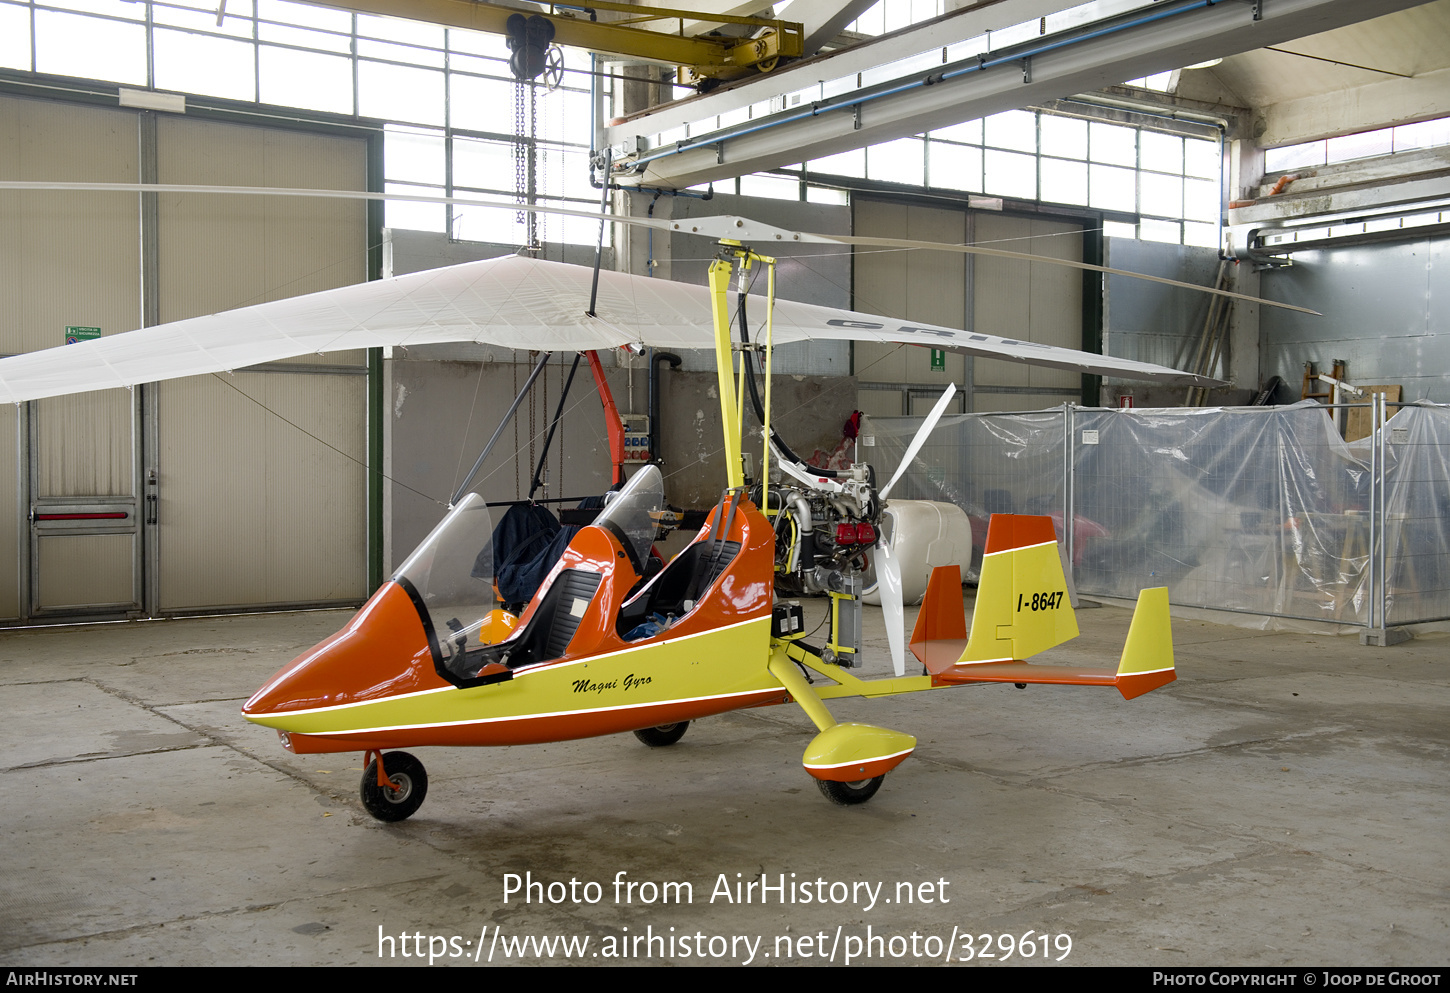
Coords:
893,611
1002,253
720,226
36,185
920,439
745,229
509,301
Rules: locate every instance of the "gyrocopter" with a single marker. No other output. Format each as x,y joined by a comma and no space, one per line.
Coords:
615,639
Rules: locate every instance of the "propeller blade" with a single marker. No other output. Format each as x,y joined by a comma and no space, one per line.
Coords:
893,610
920,439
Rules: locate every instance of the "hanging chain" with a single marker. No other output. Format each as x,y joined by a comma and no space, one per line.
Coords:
524,121
521,153
539,161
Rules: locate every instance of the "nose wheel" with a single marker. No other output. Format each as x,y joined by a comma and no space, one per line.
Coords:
850,794
393,786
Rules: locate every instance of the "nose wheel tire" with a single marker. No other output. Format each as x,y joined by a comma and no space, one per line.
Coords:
665,734
400,800
850,794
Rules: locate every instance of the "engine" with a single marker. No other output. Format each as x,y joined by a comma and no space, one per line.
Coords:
825,529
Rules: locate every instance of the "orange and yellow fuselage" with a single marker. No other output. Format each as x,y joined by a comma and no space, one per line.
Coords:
375,685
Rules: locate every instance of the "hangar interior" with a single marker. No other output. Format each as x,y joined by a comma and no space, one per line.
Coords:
1292,150
1317,170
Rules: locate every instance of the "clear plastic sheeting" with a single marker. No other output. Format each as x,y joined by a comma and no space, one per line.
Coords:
1416,513
984,463
1257,510
1264,512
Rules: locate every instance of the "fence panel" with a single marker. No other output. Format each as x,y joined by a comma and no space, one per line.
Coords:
984,463
1257,510
1251,509
1417,514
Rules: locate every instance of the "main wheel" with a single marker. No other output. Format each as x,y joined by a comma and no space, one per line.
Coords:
850,794
665,734
404,797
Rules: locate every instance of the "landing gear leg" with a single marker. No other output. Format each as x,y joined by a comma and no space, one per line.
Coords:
393,785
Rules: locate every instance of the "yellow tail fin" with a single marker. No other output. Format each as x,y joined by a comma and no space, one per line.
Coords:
1147,660
1023,604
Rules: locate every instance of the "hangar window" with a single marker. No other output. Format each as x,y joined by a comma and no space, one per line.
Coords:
1365,144
68,44
449,94
455,126
1153,185
897,14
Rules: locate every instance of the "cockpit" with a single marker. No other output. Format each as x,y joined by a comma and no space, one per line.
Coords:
450,580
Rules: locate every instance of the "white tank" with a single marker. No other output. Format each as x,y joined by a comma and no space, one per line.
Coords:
923,534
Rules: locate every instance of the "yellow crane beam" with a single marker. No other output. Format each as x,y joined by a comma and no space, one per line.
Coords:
706,56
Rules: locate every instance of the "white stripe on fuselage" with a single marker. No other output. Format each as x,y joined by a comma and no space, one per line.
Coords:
769,691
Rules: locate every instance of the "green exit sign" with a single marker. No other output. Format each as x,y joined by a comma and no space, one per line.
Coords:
938,360
75,333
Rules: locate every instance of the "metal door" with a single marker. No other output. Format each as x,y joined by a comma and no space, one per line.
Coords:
68,268
84,516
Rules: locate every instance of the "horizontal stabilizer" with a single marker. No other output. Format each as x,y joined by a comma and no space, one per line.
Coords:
1146,662
1028,672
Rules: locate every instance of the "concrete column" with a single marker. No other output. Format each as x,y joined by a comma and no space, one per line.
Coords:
1244,367
1245,165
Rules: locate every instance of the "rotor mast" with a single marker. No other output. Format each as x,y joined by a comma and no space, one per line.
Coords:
732,395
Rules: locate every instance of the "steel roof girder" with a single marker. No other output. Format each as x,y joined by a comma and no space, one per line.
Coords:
1221,29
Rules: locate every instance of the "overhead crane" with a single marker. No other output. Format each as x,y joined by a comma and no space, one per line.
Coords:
637,32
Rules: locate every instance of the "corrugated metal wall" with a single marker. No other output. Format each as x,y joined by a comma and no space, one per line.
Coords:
68,260
1030,302
1012,299
915,286
10,523
1385,309
1151,322
238,484
253,510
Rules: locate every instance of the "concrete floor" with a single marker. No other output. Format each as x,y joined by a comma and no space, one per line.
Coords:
1284,802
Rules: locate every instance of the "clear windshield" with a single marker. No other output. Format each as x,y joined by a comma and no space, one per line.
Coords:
452,574
632,513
